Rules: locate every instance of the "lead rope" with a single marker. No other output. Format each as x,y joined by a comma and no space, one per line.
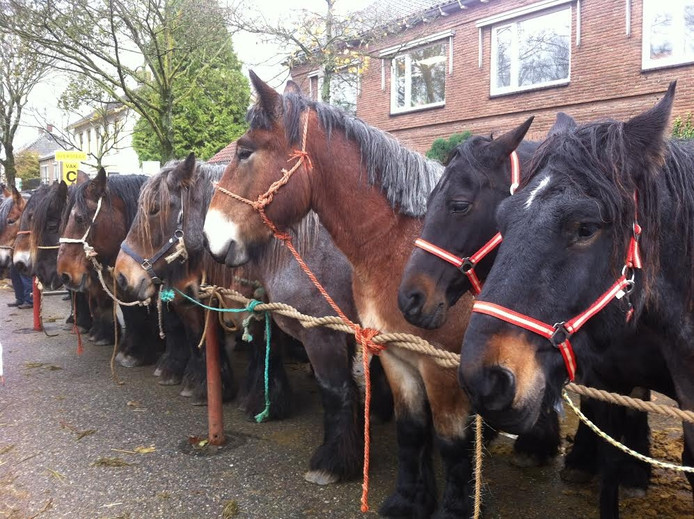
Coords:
478,467
39,285
75,328
114,374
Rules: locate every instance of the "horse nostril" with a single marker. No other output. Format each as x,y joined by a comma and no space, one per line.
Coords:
411,302
205,241
122,281
66,278
498,388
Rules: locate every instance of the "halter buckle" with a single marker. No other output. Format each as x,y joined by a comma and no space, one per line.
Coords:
178,233
466,266
146,264
561,334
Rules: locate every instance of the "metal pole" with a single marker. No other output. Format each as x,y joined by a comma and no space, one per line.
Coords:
215,416
36,295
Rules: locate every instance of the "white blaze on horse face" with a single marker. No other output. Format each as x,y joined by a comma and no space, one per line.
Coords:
220,232
5,258
543,184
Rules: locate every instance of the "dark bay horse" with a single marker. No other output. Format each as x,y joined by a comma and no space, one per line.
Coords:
191,185
103,230
604,201
460,220
11,209
370,193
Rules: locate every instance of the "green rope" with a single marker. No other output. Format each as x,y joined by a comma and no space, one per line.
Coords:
265,414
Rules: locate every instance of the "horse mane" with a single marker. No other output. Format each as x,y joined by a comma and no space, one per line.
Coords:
598,159
125,187
6,206
405,177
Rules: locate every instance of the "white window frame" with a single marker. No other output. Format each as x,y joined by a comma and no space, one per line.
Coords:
677,58
513,23
394,109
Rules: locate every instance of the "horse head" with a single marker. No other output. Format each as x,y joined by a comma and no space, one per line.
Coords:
568,257
267,155
11,210
459,220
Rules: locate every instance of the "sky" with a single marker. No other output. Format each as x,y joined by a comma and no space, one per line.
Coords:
264,59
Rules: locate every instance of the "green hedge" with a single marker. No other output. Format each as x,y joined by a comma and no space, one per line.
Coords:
442,148
683,128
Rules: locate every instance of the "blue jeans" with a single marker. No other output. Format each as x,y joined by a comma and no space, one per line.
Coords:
22,286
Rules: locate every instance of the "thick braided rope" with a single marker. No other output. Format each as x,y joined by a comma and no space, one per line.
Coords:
634,403
618,445
99,268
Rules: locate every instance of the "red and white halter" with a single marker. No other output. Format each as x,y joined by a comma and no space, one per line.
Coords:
561,332
467,265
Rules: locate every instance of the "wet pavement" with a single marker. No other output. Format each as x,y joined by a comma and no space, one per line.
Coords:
75,444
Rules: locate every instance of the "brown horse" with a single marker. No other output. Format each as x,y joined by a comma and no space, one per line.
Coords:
10,212
370,193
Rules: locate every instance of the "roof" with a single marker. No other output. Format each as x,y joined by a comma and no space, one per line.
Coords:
391,10
224,155
47,144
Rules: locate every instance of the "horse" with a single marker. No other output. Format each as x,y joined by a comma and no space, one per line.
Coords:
96,218
11,209
482,172
370,194
191,185
603,201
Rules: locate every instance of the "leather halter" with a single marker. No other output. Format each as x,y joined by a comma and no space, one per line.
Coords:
561,332
148,263
467,265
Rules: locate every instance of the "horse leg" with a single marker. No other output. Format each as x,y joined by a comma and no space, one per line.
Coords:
254,387
415,492
611,419
140,344
102,312
381,395
580,464
173,362
84,316
636,474
450,411
541,443
339,455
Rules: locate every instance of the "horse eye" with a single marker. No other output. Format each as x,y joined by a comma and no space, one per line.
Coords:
154,210
11,222
79,219
243,153
460,207
587,230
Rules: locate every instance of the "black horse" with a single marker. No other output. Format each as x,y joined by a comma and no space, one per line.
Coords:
598,197
461,220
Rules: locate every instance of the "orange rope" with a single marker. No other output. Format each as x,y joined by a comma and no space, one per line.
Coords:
363,336
75,328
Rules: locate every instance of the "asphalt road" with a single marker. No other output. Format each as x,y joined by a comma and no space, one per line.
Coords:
61,416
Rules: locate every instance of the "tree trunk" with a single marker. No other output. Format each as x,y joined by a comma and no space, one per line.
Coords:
167,129
10,170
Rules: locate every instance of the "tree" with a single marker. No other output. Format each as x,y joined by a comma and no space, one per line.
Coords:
441,148
135,50
21,69
206,116
27,165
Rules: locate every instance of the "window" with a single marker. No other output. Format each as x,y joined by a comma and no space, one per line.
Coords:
668,33
418,78
44,174
531,52
344,88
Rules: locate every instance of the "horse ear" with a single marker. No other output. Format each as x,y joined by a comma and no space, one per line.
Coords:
564,123
509,141
645,133
6,193
97,186
62,190
292,88
82,177
268,98
16,195
182,174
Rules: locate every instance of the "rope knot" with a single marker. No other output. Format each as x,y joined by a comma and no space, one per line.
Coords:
302,156
166,295
364,336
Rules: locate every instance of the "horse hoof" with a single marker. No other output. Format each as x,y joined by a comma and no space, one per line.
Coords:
199,401
186,392
169,380
575,475
321,477
524,460
103,342
129,362
157,373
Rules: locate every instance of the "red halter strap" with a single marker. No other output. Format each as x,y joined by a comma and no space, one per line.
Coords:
561,332
467,265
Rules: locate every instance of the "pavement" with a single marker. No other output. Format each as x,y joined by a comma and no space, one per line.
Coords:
74,444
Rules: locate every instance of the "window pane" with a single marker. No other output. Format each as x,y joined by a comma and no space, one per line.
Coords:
343,91
661,33
428,75
543,50
399,86
503,56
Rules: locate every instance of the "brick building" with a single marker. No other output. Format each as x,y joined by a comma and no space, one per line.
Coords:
486,65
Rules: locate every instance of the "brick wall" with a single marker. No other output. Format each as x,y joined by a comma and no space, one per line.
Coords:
606,79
